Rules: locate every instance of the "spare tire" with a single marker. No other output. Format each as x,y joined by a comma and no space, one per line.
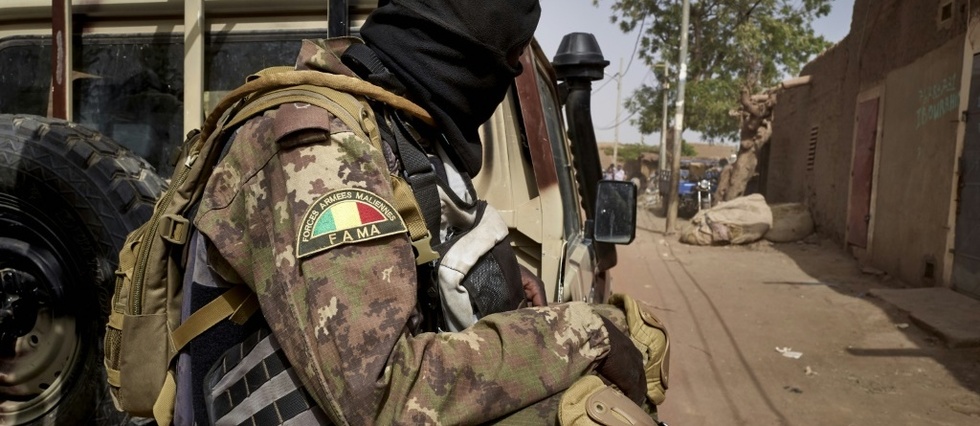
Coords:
68,198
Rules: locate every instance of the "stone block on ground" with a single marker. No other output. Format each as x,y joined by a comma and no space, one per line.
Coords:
790,222
939,310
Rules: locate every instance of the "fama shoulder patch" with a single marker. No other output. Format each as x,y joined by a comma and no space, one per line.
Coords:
346,216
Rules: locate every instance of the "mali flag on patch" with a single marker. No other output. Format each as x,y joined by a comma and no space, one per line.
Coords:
346,216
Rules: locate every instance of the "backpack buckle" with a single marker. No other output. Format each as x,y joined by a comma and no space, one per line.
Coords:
174,228
423,251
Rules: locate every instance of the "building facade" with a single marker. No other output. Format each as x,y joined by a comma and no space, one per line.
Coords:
884,144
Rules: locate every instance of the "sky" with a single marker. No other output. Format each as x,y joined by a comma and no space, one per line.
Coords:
560,17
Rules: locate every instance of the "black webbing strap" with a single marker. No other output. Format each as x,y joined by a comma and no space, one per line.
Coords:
419,172
421,176
365,63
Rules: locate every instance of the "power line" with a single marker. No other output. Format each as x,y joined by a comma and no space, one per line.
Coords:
619,83
597,89
619,75
636,44
620,122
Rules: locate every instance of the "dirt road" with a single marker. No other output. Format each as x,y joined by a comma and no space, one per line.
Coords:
729,309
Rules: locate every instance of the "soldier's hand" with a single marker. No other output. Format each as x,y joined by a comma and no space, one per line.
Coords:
623,366
533,288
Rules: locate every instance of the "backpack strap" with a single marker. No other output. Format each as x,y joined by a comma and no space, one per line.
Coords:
420,175
279,80
408,207
237,304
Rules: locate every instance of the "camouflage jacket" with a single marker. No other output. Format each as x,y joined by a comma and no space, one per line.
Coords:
342,314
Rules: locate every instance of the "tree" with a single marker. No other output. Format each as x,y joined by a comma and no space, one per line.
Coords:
736,46
628,152
755,118
687,150
635,151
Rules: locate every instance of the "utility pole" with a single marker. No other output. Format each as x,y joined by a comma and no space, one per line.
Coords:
619,94
665,87
675,167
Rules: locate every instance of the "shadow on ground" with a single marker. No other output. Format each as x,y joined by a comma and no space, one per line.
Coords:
830,266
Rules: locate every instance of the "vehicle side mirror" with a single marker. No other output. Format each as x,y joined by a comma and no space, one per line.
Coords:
615,212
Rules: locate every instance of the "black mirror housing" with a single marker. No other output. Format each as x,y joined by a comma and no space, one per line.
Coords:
615,212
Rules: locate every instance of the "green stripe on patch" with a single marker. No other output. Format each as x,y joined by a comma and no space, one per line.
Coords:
324,224
346,216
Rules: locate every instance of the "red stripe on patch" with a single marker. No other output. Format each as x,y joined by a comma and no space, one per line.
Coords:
369,214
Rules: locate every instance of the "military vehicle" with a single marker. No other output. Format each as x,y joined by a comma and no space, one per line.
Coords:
96,96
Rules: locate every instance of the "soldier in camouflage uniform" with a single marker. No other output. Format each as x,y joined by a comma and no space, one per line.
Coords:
344,311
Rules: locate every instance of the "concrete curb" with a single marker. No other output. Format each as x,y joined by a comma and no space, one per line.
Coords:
952,316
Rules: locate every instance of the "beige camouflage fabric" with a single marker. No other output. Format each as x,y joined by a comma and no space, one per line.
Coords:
342,316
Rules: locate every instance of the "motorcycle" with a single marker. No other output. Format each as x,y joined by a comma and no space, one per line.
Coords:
704,189
693,196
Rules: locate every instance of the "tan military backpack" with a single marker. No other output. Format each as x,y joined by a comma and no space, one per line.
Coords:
144,332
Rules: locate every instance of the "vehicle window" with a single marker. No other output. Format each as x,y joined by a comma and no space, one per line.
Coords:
229,59
25,76
130,88
563,166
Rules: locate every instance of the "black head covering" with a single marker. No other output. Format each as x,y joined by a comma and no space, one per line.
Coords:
456,58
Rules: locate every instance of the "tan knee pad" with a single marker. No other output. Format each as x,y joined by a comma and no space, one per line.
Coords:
590,402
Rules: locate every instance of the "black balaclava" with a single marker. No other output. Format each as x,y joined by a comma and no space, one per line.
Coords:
456,58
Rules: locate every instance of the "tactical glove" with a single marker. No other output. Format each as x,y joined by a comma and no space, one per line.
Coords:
623,365
650,334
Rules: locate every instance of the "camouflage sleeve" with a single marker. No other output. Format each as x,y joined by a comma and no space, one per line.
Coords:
341,307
